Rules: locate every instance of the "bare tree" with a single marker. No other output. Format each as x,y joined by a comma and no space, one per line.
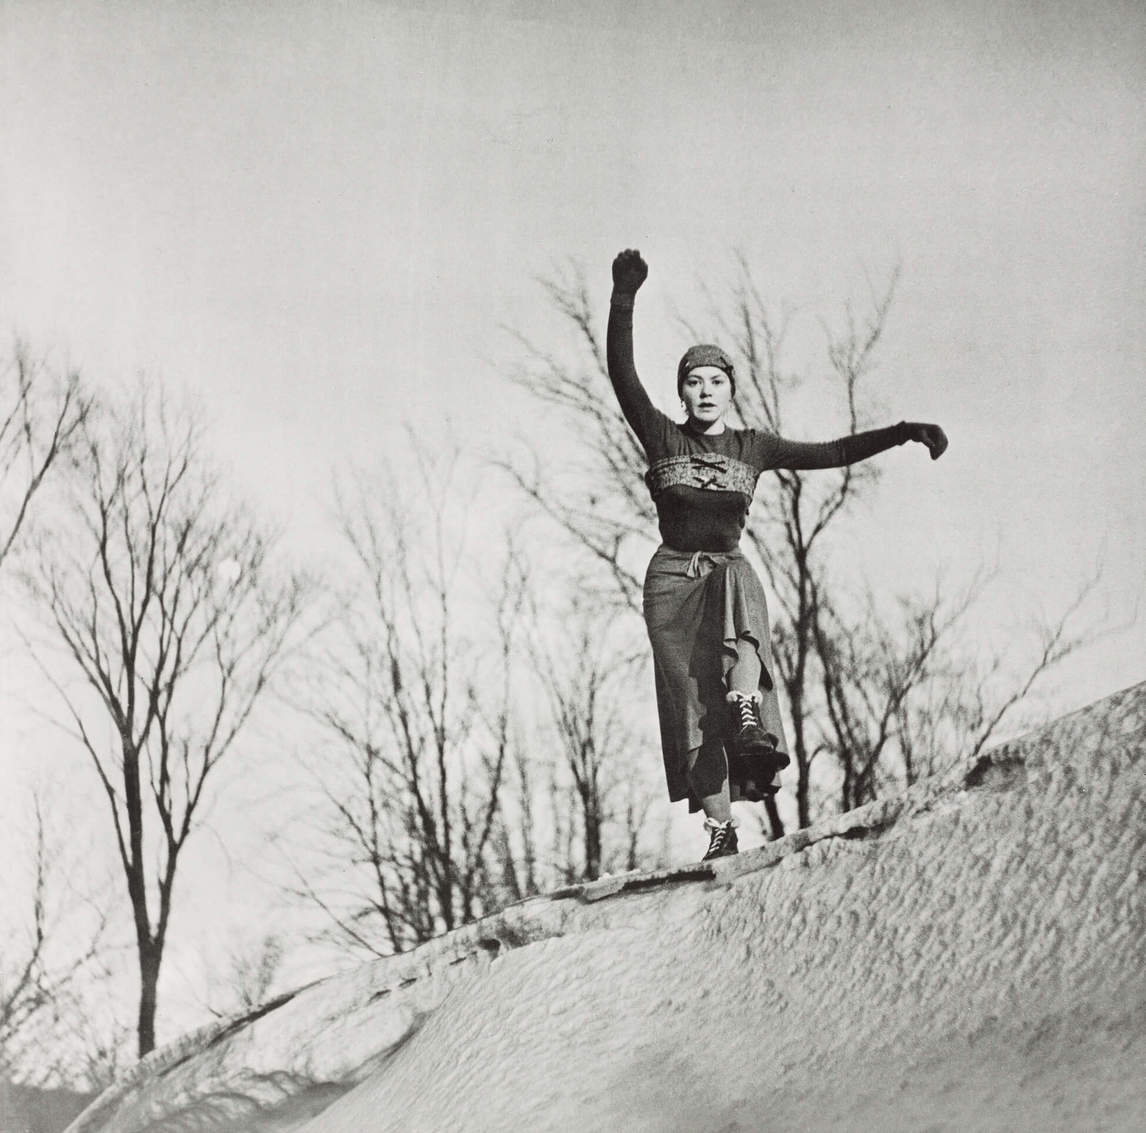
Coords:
598,498
950,711
242,984
827,669
598,797
615,512
40,415
42,968
801,508
173,615
416,714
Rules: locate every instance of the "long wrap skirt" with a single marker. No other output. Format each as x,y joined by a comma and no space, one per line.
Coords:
697,607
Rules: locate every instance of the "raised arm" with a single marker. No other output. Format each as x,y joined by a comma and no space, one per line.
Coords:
776,452
629,272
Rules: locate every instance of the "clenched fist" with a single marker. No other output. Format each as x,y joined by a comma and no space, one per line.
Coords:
629,272
930,435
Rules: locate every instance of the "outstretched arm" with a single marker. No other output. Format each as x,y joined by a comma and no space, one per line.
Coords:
629,272
776,452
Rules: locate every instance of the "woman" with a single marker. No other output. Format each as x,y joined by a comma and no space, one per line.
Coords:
703,603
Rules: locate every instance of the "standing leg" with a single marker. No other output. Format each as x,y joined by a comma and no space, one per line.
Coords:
717,807
705,764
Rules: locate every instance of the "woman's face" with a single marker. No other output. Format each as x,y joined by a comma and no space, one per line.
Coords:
707,393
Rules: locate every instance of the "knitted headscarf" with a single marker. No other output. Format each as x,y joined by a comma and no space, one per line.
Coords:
704,355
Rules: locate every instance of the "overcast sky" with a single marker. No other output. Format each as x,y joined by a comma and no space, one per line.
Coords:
322,217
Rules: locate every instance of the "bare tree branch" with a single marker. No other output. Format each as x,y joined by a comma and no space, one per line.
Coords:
164,602
416,713
41,974
40,416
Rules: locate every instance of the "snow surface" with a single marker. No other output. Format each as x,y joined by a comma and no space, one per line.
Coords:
966,955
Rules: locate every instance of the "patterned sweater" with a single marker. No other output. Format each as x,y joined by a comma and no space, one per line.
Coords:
702,484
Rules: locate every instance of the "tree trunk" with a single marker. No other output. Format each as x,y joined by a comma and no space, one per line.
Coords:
774,819
800,751
149,961
592,842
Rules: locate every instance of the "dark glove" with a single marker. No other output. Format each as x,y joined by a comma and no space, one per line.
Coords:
930,435
629,272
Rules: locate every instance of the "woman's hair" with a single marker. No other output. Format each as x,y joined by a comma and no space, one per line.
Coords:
704,354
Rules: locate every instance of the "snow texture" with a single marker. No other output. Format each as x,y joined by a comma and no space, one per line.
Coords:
969,954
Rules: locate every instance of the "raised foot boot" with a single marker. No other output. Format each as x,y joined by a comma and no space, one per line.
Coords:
722,839
751,740
753,760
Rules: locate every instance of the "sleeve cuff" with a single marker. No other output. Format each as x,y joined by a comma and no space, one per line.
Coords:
622,301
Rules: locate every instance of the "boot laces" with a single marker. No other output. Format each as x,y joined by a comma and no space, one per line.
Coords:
747,707
721,832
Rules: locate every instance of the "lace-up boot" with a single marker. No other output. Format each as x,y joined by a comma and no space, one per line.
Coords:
753,760
722,839
749,732
750,738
